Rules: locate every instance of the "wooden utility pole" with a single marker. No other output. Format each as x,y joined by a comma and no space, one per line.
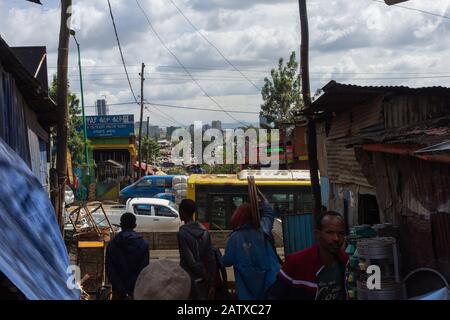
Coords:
148,145
63,112
140,122
306,91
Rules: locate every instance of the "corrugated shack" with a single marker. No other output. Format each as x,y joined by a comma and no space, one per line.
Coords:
26,112
386,154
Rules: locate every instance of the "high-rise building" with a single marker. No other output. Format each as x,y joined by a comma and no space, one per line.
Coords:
170,130
217,125
101,108
154,132
263,122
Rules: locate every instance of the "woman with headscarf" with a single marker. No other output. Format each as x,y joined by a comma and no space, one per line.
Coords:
250,251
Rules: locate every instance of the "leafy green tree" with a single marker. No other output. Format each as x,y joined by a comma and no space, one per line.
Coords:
281,93
150,148
76,136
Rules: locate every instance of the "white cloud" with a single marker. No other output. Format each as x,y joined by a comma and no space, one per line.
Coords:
361,42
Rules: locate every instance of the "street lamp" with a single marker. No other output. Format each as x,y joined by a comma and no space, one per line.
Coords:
72,33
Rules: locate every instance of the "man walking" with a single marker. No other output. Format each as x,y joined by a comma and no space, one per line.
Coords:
127,254
196,253
316,273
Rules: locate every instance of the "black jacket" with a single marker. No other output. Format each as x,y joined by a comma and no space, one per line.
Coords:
197,255
127,254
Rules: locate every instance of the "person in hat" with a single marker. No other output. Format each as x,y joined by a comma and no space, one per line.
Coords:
163,280
126,255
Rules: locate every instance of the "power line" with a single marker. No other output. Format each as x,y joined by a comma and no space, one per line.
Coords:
235,77
217,49
162,115
168,121
238,80
201,109
170,117
121,53
182,65
414,9
177,107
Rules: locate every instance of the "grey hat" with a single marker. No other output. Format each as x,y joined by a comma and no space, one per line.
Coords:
163,280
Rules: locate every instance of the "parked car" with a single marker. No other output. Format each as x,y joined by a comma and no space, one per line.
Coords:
152,215
147,187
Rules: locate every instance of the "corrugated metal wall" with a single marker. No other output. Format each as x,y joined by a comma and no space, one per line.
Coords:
440,224
401,111
322,148
13,128
367,115
300,231
340,126
342,164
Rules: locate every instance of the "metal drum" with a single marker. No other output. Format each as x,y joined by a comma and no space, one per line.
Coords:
376,248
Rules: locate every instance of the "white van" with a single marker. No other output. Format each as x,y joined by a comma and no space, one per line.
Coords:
152,215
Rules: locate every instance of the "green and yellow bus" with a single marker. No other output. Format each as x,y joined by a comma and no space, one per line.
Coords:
217,196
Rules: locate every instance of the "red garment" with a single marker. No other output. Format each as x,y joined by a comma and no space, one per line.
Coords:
242,216
301,269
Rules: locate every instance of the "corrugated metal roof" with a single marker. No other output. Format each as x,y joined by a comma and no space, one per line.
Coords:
34,59
33,92
338,96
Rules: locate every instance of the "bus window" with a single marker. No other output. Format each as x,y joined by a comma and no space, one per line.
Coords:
201,206
218,212
236,202
305,202
282,203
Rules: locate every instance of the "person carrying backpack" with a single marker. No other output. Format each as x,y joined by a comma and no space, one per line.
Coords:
197,254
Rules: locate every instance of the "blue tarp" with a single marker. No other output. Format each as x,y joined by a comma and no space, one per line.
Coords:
32,252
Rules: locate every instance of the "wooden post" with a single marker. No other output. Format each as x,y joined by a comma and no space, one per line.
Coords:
63,110
148,136
140,122
306,91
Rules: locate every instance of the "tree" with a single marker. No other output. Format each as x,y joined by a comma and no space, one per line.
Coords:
75,140
281,94
150,149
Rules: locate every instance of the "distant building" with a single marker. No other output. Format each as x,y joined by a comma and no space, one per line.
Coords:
217,125
154,132
100,107
169,131
263,121
206,127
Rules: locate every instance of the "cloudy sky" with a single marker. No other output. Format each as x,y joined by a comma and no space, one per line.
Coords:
359,41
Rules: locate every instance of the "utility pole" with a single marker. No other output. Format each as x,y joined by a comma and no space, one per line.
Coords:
306,91
63,113
148,144
140,122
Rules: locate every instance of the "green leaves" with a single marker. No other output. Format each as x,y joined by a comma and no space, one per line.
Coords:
281,93
75,139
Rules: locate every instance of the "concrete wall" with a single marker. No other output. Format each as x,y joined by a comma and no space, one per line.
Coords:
168,240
